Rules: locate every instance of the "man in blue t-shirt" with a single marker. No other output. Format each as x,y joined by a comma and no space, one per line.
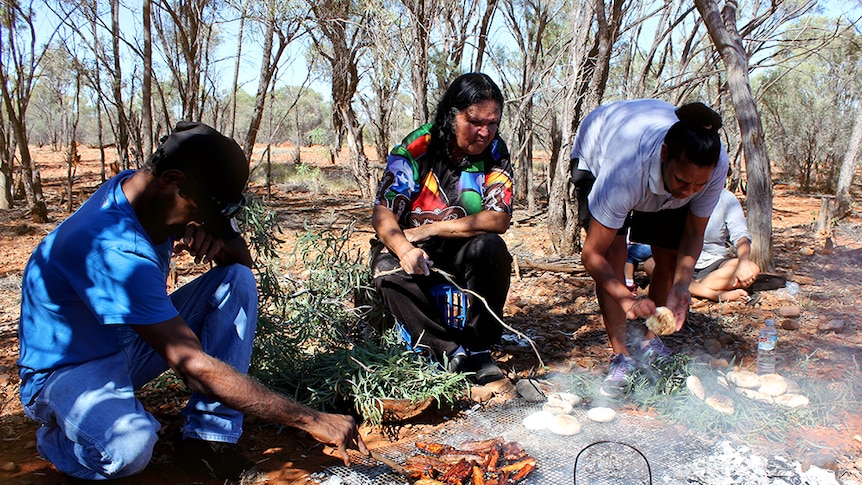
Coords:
97,321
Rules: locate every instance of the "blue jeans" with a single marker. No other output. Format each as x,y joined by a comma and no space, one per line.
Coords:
94,428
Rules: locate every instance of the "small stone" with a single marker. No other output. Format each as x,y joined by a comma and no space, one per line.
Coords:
857,438
9,467
831,326
792,386
789,311
726,339
820,460
30,445
802,280
530,390
718,363
480,394
712,346
790,324
806,251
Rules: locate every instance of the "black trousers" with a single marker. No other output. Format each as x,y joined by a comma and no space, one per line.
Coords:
480,263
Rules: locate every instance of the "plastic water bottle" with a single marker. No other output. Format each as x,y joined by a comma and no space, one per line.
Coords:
766,348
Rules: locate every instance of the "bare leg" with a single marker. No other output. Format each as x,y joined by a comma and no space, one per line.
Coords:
721,283
613,315
662,274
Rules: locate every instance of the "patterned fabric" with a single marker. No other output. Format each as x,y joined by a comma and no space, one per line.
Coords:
419,190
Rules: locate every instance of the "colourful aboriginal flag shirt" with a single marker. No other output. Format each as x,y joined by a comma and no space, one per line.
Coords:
419,190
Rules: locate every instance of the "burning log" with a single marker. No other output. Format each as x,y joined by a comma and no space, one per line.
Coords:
486,462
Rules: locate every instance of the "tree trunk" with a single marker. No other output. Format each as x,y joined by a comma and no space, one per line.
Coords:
268,67
422,15
722,30
147,85
16,103
482,43
358,161
841,206
117,83
7,155
589,78
235,85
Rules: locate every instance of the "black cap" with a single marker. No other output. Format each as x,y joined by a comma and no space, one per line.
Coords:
212,162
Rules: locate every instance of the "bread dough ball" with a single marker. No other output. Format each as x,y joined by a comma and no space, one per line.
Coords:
720,403
662,322
756,395
601,414
772,384
744,378
565,425
695,387
792,400
538,420
566,397
558,407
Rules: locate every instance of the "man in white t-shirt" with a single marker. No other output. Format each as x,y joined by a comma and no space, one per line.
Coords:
656,170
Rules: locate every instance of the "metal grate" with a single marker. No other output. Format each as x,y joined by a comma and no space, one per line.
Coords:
659,446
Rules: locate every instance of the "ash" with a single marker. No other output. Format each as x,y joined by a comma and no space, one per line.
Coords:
737,464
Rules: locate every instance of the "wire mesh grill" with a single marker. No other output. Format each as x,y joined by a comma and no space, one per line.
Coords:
663,447
611,463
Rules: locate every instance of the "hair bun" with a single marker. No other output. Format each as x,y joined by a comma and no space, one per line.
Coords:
700,115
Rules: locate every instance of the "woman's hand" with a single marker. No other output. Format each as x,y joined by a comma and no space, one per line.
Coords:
416,261
639,308
678,301
746,273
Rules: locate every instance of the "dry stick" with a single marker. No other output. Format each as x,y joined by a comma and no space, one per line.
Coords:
450,278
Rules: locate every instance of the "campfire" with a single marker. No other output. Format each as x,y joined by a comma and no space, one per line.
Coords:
486,462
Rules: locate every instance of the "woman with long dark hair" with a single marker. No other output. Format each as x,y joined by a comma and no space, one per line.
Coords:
443,201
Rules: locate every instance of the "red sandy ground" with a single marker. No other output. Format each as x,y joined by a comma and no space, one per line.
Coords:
558,307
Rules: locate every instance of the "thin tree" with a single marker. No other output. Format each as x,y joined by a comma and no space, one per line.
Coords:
587,76
147,83
19,61
285,26
122,126
841,205
722,29
340,38
421,14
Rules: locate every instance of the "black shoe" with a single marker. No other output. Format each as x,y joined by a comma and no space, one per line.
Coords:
486,370
223,461
458,363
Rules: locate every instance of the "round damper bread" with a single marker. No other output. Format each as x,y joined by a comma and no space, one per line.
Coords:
720,403
756,395
695,387
538,420
557,407
744,378
565,425
662,322
772,384
601,414
566,397
792,400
